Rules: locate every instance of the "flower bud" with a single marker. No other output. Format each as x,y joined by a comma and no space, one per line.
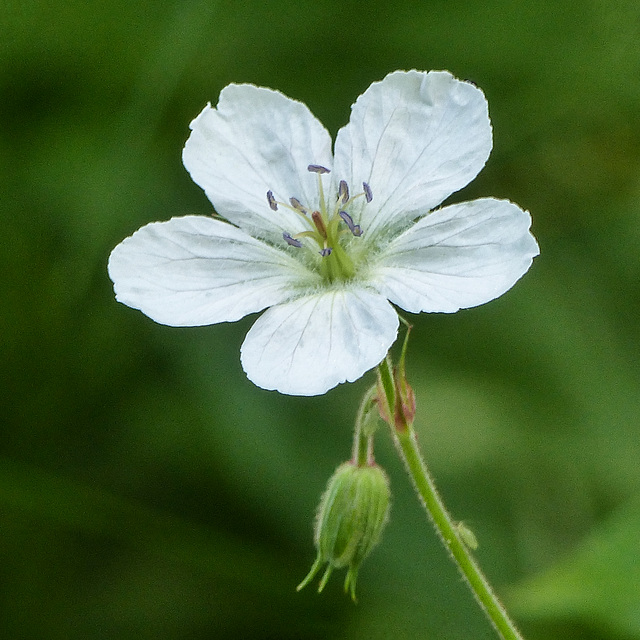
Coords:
351,517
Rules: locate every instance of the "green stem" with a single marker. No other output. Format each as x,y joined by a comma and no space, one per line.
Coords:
447,529
385,374
362,453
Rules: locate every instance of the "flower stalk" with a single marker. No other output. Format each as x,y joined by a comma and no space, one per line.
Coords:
365,427
404,437
354,508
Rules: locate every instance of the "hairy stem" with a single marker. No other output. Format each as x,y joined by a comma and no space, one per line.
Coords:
407,445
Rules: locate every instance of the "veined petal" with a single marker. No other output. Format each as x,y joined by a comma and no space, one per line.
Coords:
457,257
414,138
195,270
257,140
309,345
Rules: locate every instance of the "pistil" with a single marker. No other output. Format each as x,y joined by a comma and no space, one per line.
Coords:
318,220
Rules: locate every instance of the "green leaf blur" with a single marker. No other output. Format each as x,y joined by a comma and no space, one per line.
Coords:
149,491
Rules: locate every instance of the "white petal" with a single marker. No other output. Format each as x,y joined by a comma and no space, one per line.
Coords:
195,270
257,140
415,138
457,257
307,346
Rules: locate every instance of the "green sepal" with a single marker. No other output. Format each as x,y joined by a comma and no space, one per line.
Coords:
352,514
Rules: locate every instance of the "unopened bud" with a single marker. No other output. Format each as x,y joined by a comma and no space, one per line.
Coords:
351,517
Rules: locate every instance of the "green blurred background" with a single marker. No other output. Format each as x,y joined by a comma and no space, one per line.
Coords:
149,491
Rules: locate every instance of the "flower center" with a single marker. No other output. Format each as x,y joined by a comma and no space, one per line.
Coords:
327,226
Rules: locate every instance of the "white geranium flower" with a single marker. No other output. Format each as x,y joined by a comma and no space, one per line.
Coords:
327,241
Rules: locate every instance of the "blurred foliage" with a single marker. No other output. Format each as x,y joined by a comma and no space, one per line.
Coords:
148,490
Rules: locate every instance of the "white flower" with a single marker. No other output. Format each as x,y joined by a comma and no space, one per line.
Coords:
326,241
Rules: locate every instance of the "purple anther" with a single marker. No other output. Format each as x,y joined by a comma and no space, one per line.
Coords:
325,252
272,201
343,191
317,168
368,194
354,228
291,240
296,204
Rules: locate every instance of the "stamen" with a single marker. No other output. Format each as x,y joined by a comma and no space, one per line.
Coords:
317,168
291,240
343,191
367,192
272,201
354,228
296,204
325,252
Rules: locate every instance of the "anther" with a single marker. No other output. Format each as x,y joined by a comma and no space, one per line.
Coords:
343,191
325,252
272,201
291,241
367,192
354,228
317,168
296,204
